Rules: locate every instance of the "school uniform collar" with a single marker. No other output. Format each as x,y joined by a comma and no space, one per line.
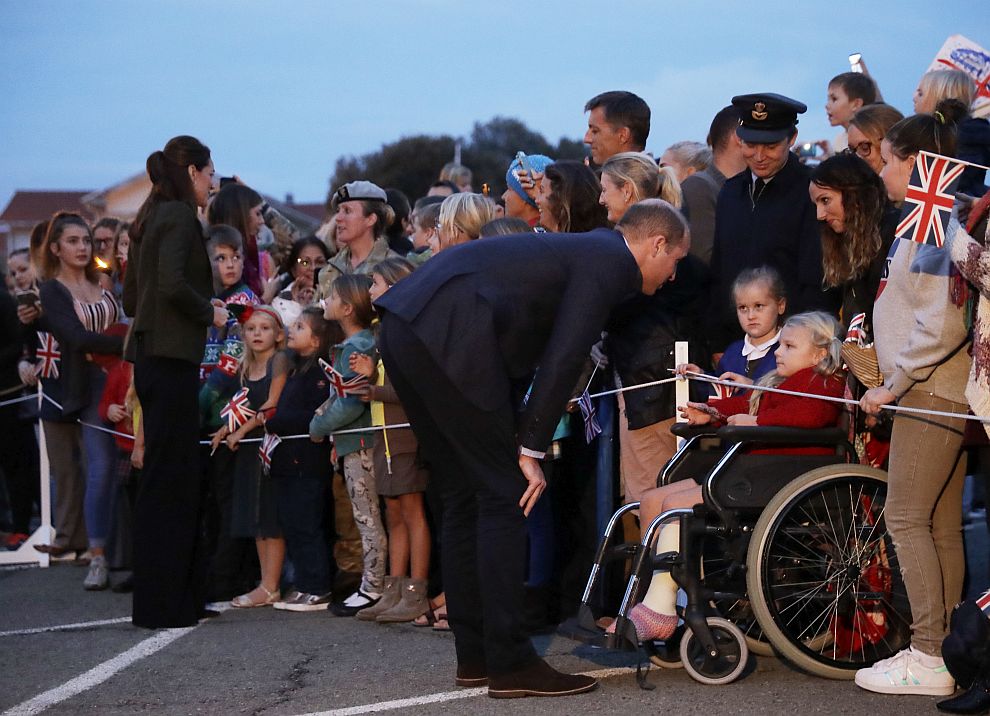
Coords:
755,352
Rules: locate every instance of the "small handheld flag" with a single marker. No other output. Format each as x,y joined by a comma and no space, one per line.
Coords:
48,356
722,392
929,199
238,411
341,386
591,426
856,333
268,445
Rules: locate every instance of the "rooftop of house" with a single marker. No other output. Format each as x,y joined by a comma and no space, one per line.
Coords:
33,206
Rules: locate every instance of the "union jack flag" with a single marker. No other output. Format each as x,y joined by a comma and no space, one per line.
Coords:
342,386
237,411
722,391
48,356
856,333
929,199
268,445
591,426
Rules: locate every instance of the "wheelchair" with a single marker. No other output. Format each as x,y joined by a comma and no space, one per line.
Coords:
786,555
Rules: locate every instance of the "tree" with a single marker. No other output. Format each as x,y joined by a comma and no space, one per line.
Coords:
412,164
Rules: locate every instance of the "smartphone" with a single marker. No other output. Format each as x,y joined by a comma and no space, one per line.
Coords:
224,181
856,62
27,298
524,164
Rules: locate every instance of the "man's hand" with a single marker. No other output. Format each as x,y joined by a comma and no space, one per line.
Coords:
533,473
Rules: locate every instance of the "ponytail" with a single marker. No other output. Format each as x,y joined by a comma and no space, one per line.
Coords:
168,171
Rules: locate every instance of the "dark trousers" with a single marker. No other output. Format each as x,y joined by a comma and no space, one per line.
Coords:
19,463
232,560
302,503
168,559
472,454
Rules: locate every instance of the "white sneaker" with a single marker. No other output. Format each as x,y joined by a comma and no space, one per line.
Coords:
904,673
303,602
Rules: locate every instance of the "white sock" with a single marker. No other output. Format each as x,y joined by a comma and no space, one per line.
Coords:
661,597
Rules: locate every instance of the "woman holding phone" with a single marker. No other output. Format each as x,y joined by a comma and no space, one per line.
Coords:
167,290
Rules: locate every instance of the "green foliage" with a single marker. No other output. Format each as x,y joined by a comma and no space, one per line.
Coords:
413,163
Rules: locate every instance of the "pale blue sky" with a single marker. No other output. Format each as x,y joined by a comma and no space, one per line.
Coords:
279,91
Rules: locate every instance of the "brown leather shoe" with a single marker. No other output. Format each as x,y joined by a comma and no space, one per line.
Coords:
471,675
538,679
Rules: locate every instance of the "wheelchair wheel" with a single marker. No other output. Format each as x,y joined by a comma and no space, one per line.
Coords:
666,654
823,576
728,665
724,573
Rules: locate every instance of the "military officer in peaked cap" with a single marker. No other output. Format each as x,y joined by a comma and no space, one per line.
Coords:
764,216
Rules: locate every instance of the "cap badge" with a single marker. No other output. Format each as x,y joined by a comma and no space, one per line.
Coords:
759,111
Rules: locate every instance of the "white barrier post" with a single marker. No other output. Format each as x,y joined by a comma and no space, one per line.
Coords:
26,553
682,390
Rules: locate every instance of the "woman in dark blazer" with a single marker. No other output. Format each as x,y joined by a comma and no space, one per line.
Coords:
167,291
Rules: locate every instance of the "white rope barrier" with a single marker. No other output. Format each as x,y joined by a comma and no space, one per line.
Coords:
703,378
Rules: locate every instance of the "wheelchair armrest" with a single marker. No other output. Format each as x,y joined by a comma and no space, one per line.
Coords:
782,436
688,431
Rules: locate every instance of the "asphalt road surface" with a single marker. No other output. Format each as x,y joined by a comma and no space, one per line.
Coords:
67,651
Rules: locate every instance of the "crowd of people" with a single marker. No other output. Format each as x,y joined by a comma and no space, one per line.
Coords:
226,400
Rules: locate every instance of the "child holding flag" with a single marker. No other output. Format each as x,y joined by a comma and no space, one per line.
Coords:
400,479
254,511
299,467
349,304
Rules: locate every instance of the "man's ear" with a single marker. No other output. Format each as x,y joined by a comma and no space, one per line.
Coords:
659,243
793,140
625,135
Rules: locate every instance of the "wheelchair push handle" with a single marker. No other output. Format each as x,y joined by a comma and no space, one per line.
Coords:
782,436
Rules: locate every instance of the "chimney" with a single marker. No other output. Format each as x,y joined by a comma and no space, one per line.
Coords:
289,198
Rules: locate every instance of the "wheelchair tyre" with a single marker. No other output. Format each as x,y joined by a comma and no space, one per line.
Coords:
731,660
666,654
823,576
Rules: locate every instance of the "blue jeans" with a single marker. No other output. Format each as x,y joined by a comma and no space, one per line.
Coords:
101,454
302,502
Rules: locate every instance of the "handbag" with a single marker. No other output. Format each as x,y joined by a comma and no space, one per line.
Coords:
863,363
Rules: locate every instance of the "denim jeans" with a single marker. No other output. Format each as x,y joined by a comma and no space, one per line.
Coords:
302,502
101,458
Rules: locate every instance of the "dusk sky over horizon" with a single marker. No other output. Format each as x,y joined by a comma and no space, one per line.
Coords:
280,92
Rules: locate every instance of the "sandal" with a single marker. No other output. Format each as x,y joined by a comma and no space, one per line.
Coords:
440,623
429,618
245,601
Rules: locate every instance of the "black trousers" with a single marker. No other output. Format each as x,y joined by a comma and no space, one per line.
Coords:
19,464
472,454
168,556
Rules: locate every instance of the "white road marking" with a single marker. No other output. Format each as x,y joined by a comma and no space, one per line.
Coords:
98,674
65,627
442,696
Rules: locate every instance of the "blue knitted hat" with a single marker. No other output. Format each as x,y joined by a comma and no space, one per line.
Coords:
538,162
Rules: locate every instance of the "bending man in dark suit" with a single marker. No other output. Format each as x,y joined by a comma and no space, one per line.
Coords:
461,339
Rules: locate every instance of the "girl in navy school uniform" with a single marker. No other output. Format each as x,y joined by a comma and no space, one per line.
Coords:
760,299
300,468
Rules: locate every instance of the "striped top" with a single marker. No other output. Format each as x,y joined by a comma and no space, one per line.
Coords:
100,315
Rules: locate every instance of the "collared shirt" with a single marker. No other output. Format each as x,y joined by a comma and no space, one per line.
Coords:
753,352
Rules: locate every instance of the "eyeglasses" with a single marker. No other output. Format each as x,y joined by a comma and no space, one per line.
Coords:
306,263
102,243
863,149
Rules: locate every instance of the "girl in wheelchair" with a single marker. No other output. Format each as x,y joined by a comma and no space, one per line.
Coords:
808,361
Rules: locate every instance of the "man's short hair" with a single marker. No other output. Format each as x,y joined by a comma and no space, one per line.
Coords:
856,85
723,128
426,201
653,217
624,109
223,235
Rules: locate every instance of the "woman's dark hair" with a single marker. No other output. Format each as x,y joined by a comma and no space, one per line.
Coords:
393,270
168,170
296,249
401,210
37,239
49,262
573,198
232,206
353,289
935,133
506,226
848,255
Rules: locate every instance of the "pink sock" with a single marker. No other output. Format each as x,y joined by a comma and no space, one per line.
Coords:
649,624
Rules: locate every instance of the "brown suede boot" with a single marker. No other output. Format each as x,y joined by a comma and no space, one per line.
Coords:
414,603
538,679
390,597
